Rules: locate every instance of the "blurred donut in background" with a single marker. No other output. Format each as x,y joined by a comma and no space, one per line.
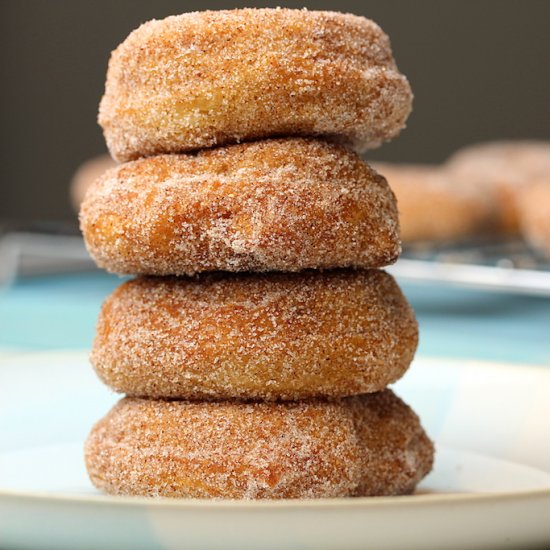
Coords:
534,212
434,207
86,174
505,169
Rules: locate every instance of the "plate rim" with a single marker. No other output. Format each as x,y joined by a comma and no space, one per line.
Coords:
343,502
339,502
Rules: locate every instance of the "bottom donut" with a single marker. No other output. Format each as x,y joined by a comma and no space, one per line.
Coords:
367,445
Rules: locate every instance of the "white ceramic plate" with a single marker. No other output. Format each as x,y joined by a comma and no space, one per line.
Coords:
490,486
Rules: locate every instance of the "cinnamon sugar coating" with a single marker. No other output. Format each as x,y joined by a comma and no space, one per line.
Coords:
216,77
255,336
358,446
434,207
505,169
274,205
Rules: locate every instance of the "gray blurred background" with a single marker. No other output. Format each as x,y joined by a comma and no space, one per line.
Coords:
480,71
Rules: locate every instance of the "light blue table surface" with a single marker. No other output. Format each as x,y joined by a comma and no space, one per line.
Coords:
40,313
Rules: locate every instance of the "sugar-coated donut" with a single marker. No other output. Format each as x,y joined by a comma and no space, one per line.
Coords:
534,209
274,205
255,336
434,207
505,168
368,445
216,77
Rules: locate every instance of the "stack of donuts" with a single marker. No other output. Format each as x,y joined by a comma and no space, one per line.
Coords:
256,343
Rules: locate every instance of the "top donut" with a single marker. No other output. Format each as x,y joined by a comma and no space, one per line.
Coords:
217,77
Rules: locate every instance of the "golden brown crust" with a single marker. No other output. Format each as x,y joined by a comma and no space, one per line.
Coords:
504,168
434,207
534,211
274,205
365,445
255,336
216,77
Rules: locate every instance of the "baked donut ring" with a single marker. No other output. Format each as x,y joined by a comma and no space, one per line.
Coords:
534,209
433,207
359,446
274,205
505,168
217,77
255,336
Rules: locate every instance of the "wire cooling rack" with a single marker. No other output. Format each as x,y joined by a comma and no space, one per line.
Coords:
40,249
499,266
